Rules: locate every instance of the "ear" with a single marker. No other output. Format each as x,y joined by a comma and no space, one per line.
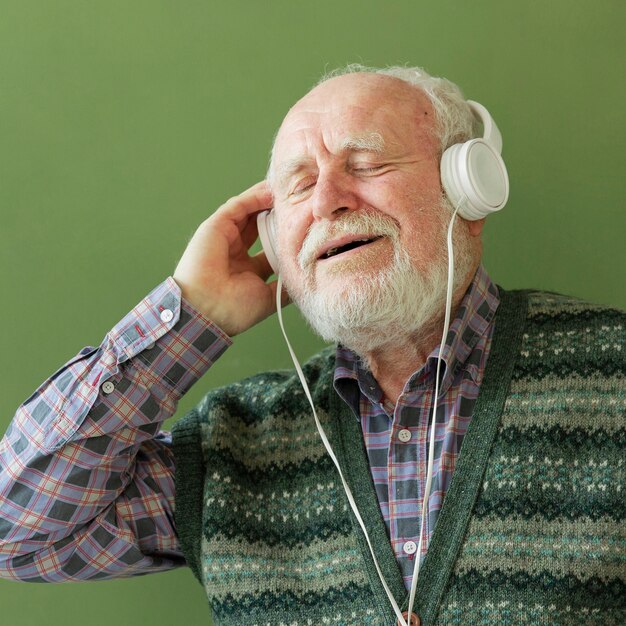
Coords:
475,227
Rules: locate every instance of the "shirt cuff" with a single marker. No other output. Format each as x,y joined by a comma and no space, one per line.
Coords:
175,343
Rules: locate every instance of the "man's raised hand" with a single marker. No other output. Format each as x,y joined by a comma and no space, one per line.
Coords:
216,274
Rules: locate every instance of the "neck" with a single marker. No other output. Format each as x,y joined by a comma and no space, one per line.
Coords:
392,365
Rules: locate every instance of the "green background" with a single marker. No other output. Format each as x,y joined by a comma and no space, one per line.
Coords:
123,124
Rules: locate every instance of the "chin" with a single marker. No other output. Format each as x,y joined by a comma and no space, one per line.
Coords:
368,311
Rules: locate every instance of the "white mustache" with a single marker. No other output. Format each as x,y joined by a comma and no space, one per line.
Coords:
372,224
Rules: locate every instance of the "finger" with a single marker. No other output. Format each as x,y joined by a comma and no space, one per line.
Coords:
261,265
253,200
249,231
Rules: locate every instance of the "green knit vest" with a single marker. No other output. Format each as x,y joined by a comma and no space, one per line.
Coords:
531,528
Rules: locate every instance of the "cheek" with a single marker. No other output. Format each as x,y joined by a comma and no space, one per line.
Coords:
290,233
407,192
425,234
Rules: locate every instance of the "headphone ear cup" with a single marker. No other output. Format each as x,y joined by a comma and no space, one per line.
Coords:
474,178
267,234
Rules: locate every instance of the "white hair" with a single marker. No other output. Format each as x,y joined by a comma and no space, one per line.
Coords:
454,120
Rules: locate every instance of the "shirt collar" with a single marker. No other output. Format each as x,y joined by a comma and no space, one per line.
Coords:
472,319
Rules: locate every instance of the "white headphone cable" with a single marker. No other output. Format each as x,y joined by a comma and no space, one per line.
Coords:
431,448
326,443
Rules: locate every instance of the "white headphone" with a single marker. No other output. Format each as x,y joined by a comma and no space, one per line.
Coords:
266,224
473,176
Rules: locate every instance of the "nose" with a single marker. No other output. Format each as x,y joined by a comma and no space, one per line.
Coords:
333,195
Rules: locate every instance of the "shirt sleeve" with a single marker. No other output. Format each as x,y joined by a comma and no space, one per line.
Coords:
86,475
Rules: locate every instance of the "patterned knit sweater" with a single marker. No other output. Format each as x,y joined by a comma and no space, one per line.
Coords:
531,528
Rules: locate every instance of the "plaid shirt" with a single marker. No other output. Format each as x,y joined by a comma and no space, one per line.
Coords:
87,477
397,438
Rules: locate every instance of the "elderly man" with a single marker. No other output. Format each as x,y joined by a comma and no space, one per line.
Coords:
523,514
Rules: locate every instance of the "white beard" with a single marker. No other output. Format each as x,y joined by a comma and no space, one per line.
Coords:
378,309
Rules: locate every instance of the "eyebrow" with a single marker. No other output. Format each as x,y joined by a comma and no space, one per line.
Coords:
367,142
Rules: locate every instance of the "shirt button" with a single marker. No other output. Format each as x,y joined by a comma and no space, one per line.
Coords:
404,435
150,346
410,547
166,315
415,620
108,387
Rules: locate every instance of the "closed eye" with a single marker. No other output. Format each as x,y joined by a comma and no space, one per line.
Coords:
302,186
369,169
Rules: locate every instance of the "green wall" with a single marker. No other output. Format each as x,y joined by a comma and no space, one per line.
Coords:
123,124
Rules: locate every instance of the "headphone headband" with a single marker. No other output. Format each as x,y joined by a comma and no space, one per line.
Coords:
491,133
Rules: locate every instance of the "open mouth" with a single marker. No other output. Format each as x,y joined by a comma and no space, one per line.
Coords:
357,243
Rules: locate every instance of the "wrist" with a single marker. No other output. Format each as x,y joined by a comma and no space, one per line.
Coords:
196,299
